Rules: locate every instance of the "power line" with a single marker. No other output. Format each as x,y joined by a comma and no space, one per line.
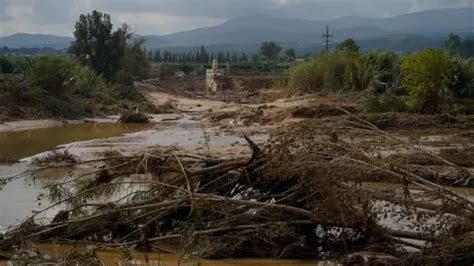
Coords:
327,38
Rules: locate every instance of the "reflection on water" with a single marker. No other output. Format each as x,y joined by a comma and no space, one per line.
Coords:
19,198
21,144
114,257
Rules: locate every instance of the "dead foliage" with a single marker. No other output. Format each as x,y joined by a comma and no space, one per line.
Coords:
252,82
297,197
463,156
319,111
56,158
263,114
417,121
134,117
7,160
168,107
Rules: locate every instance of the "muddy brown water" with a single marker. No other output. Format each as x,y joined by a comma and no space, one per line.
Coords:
19,198
21,144
115,257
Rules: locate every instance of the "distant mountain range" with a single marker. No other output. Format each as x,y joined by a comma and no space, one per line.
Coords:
423,29
26,40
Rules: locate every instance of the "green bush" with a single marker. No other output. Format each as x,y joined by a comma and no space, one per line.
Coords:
388,72
383,103
463,83
5,65
331,67
50,73
359,74
345,69
325,72
304,77
21,64
427,78
86,83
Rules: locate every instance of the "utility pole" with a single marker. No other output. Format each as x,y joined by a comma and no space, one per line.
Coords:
327,38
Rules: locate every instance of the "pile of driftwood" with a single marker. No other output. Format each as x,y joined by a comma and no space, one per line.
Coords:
300,196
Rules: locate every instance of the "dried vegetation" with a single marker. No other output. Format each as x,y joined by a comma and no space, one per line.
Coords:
302,195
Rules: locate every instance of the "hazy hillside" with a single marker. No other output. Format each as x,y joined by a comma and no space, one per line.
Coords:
255,29
20,40
401,33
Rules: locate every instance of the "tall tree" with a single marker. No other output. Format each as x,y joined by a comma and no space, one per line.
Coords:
468,48
453,44
270,51
290,54
97,44
348,45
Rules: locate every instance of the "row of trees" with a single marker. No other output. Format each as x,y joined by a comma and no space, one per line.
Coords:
427,82
268,52
201,56
27,51
455,45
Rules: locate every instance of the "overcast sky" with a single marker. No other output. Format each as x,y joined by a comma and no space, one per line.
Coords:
166,16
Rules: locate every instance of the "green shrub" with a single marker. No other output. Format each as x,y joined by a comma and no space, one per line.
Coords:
331,67
427,78
359,74
186,68
86,83
21,64
325,72
304,77
388,72
383,103
5,65
463,83
50,73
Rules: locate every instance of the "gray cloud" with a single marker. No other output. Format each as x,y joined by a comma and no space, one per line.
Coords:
164,16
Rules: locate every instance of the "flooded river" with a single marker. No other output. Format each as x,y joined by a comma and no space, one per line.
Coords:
21,144
19,198
114,257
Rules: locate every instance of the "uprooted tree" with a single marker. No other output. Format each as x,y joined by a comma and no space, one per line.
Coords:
300,196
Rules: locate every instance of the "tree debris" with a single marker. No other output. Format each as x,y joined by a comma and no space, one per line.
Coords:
300,196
